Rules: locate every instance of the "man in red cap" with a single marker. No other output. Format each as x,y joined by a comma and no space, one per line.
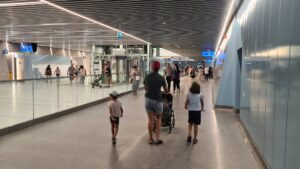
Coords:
153,101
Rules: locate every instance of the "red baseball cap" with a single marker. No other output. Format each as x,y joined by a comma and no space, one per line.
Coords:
156,65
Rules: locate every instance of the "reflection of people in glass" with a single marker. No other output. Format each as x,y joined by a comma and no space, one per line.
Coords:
107,73
82,73
57,73
71,72
135,77
48,73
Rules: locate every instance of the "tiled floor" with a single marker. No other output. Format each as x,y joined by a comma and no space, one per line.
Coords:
83,141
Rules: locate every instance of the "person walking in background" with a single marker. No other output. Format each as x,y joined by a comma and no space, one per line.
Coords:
57,74
176,78
169,74
71,73
206,72
115,111
193,73
153,101
108,75
135,77
210,72
76,71
48,73
194,104
82,74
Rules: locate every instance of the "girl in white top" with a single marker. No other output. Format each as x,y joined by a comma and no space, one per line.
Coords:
194,104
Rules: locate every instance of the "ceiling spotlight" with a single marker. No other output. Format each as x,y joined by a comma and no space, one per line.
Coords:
164,23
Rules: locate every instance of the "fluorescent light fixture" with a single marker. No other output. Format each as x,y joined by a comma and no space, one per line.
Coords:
91,20
225,24
20,4
98,23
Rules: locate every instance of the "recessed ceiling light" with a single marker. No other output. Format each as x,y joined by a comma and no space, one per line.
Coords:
21,4
164,23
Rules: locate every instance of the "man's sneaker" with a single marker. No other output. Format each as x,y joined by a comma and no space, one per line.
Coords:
189,139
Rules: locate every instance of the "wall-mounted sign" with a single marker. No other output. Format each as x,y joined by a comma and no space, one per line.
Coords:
208,53
28,47
120,35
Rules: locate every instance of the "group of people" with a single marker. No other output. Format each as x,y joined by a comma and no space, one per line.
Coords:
48,73
73,72
153,83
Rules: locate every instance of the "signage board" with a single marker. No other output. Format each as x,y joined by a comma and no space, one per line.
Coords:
208,53
28,47
120,35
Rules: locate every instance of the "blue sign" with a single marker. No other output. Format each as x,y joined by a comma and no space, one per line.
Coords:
26,47
208,53
120,35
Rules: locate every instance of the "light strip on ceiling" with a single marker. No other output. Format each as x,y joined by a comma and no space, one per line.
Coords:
91,20
225,25
20,4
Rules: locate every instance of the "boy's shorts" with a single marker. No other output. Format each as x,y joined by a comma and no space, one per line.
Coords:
114,120
153,106
195,117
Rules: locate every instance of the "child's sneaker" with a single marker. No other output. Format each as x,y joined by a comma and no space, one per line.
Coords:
195,141
189,139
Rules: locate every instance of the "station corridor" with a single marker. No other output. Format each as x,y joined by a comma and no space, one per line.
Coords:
82,140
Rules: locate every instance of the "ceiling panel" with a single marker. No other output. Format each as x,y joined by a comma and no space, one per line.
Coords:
184,27
49,26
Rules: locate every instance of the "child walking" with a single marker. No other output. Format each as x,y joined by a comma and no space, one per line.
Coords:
115,111
194,103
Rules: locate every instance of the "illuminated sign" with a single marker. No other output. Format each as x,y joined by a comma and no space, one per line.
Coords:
28,47
208,53
120,35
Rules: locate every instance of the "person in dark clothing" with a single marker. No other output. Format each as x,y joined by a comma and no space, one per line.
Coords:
48,73
176,78
210,72
153,101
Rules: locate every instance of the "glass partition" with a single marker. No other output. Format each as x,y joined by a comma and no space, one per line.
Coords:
22,101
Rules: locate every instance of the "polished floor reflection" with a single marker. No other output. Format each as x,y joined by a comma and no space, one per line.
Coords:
24,101
82,141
